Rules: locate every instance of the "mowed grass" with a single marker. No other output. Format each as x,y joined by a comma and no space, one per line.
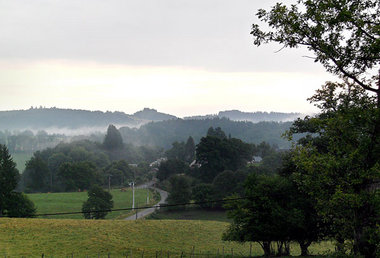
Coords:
81,238
47,203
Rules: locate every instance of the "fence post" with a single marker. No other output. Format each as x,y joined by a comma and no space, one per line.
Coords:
223,252
142,254
250,249
232,251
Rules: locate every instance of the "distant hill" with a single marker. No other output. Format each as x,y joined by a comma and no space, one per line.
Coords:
152,115
164,133
254,117
42,118
74,120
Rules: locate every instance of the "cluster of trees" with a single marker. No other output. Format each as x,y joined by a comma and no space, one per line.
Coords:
220,167
329,186
27,141
12,203
78,165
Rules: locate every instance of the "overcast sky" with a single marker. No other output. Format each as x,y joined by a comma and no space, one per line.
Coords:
183,57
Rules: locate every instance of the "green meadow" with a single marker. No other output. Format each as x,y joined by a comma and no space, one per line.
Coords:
47,203
117,238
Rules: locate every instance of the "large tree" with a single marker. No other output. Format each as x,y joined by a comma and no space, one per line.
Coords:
338,161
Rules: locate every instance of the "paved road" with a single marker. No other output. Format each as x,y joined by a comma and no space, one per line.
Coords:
146,212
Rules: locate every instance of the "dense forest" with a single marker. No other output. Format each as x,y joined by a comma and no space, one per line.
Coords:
164,133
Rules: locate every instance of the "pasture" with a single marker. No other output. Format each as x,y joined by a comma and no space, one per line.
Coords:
72,202
81,238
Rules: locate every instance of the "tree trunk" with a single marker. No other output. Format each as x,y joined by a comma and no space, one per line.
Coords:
266,245
304,245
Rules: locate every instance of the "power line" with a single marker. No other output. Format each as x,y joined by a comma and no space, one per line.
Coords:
136,208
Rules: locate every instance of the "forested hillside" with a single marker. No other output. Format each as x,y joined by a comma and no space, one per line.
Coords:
164,133
255,117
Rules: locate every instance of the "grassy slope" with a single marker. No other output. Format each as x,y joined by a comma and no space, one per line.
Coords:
190,214
72,202
59,238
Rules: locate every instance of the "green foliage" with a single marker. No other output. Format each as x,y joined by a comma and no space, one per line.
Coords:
338,164
12,204
217,132
113,139
180,190
77,176
98,204
203,193
37,174
227,183
274,211
171,167
182,151
164,133
216,155
20,206
71,155
121,173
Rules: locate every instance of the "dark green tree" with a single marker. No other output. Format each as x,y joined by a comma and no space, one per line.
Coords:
189,150
171,167
338,162
203,194
180,190
227,183
12,204
113,139
78,176
37,174
216,155
121,173
19,206
98,204
177,151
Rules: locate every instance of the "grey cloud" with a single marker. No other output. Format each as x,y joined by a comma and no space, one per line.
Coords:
210,34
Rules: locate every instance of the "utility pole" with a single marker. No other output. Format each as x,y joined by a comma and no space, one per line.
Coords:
133,194
109,183
147,195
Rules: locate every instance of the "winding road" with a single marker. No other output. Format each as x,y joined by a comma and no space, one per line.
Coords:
146,212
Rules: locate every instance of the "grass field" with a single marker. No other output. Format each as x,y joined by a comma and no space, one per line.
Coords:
81,238
190,214
72,202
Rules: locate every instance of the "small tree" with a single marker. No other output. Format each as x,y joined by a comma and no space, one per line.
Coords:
98,204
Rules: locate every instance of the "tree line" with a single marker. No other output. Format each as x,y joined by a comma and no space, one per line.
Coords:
78,165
